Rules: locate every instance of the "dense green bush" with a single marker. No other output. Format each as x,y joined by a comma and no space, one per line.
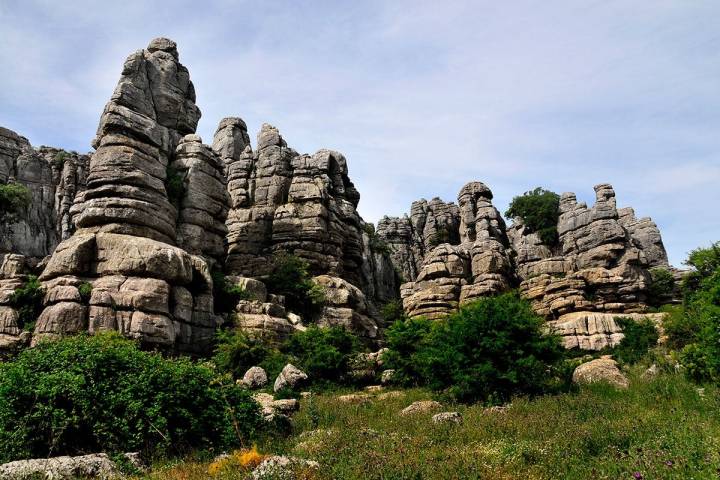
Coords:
174,186
235,353
14,197
85,290
290,277
539,210
28,301
59,159
639,337
225,294
323,353
489,350
92,394
393,311
662,284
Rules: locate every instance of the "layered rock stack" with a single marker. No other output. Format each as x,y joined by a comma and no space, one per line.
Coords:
53,178
478,266
127,246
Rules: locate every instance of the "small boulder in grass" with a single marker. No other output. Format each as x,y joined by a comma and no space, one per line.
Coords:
386,376
285,467
447,417
255,377
355,398
290,377
603,369
421,406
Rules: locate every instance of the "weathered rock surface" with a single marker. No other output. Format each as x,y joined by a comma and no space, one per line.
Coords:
255,377
285,468
478,266
53,178
447,417
289,377
594,330
421,406
96,465
600,370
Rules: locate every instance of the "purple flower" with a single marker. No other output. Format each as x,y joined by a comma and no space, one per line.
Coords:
669,463
637,476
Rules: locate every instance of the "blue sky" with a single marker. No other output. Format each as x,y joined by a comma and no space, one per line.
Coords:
421,97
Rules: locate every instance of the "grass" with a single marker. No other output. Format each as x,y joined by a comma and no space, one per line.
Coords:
659,428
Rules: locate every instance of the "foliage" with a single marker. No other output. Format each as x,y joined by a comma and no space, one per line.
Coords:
661,286
539,210
85,290
660,428
377,244
393,311
235,353
489,350
696,325
639,337
290,277
14,197
91,394
441,235
174,185
324,354
59,159
225,294
28,301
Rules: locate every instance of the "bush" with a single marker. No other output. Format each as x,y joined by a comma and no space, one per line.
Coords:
85,290
226,295
235,353
102,394
290,277
28,301
489,350
661,287
393,311
59,159
640,336
323,353
174,185
14,197
377,244
539,210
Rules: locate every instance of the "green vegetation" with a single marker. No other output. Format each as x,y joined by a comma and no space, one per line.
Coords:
290,277
225,294
392,312
323,353
85,290
695,327
661,286
92,394
60,158
28,301
235,353
174,185
488,351
539,210
658,428
640,337
14,198
377,244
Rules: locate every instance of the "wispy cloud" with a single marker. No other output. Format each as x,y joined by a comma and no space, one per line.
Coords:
420,96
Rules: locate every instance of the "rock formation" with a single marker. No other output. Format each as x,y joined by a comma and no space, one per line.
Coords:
479,265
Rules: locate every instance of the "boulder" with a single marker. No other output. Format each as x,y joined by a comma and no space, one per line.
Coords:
421,406
447,417
96,465
255,377
600,370
290,377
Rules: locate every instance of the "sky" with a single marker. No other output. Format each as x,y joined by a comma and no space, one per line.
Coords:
420,96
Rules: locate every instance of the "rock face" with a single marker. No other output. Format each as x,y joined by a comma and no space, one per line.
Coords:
600,263
147,261
594,330
305,205
96,465
53,178
478,266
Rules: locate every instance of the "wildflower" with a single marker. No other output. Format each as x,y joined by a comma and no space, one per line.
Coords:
669,463
249,458
637,476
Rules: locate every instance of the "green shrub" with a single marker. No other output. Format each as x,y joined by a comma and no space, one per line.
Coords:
28,301
235,353
14,197
226,295
393,311
290,277
539,210
489,350
174,185
377,244
59,159
323,353
679,327
85,290
640,337
102,394
662,284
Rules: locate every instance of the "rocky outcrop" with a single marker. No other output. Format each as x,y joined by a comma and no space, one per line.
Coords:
98,465
600,262
594,330
142,257
53,178
478,266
